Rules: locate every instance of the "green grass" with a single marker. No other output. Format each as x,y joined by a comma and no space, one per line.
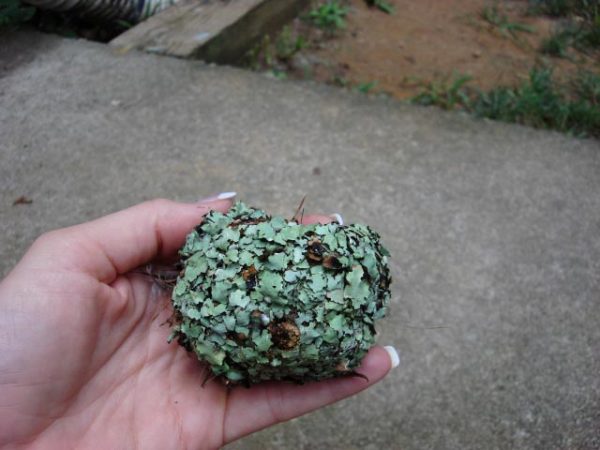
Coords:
559,43
571,35
542,103
492,15
587,86
587,9
329,15
581,29
382,5
539,102
274,55
446,94
288,44
553,8
366,87
13,12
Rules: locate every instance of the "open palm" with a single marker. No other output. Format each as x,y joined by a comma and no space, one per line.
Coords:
84,359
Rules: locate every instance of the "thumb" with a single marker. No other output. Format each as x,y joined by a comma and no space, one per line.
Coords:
122,241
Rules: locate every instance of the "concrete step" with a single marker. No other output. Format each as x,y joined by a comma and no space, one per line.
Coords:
214,30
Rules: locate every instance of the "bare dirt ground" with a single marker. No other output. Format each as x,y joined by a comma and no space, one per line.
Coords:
432,41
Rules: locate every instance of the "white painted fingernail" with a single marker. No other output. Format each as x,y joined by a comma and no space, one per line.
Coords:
226,195
393,354
221,196
338,218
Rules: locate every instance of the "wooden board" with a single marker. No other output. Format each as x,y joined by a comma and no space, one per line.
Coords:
212,30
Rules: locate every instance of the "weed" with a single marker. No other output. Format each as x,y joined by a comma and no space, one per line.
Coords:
493,16
366,87
288,44
445,94
591,36
559,42
339,80
587,86
13,12
269,55
382,5
259,55
329,16
278,74
535,103
587,9
571,36
554,8
125,24
582,29
538,102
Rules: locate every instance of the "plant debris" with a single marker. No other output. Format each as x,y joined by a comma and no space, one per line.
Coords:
22,200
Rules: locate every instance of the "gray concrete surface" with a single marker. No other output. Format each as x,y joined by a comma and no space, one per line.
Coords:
494,229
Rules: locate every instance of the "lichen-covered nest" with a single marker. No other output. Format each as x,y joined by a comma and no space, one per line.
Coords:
263,298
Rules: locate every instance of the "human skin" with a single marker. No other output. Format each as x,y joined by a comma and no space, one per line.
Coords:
84,360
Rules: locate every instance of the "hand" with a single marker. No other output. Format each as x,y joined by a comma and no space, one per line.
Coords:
84,361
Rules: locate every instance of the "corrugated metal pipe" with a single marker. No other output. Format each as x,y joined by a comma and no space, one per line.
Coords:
132,11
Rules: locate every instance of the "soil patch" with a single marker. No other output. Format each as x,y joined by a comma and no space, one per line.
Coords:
432,41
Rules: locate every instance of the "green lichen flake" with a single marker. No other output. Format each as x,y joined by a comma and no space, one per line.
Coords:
264,298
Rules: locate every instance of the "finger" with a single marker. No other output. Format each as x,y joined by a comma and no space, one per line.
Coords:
122,241
266,404
317,218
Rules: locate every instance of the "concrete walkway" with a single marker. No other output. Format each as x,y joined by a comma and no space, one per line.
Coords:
494,229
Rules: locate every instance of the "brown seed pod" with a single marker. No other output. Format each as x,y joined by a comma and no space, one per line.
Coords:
285,335
250,275
315,251
332,262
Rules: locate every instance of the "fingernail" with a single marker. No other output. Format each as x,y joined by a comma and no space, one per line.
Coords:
338,218
393,354
221,196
